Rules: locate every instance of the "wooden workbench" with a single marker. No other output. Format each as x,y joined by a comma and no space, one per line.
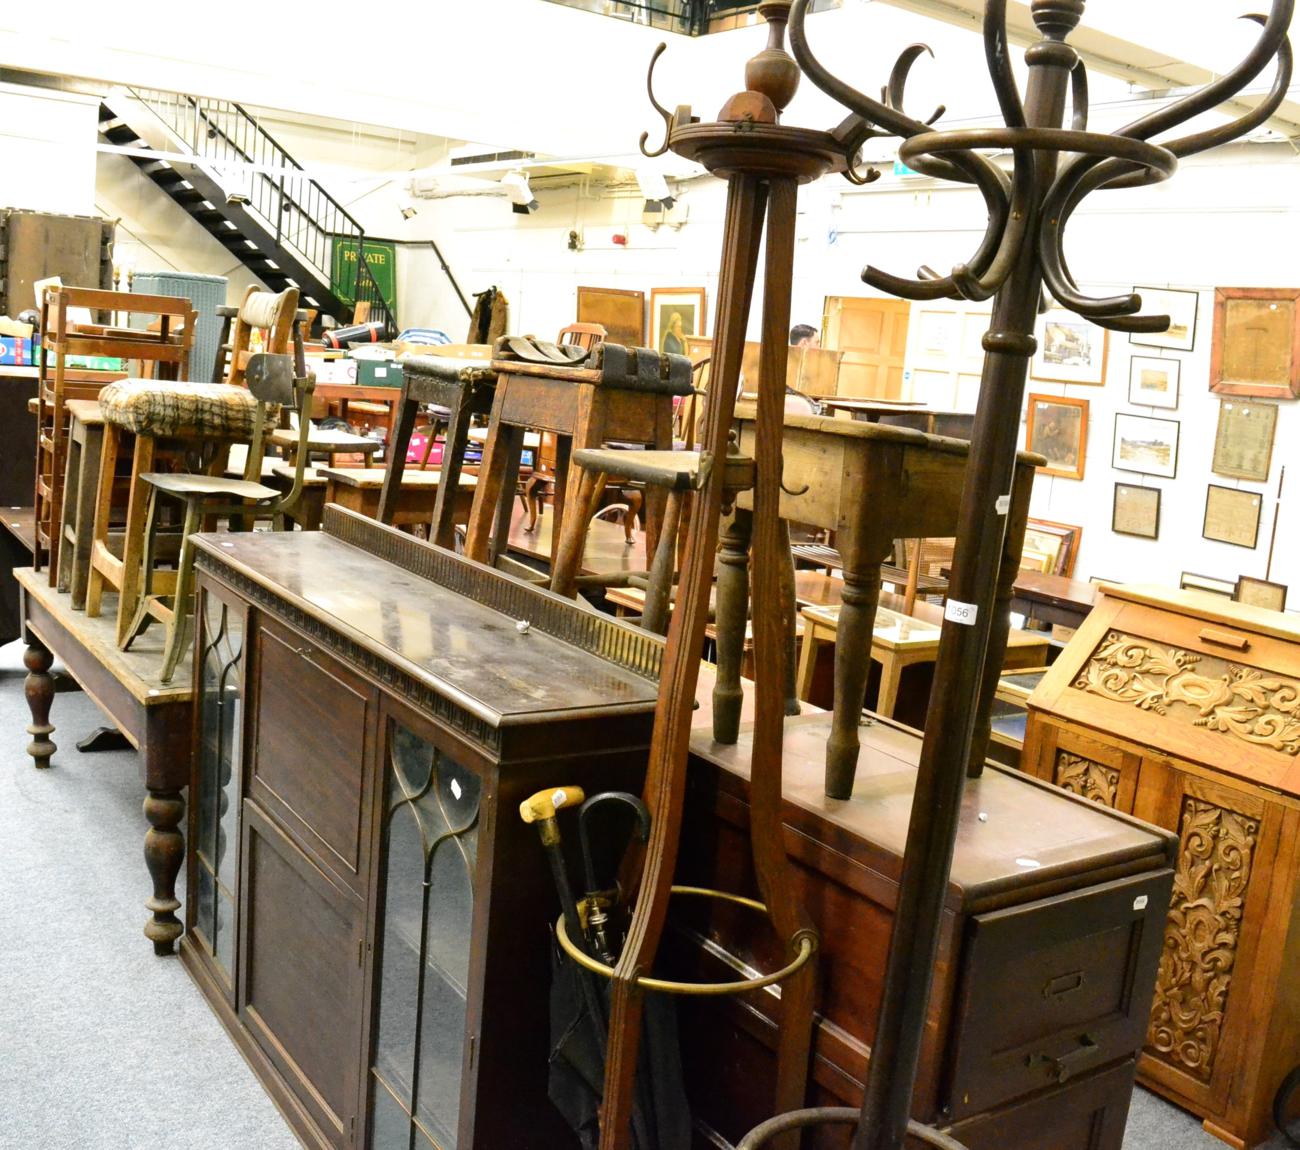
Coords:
155,719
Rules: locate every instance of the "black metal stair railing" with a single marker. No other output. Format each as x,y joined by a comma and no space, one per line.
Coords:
304,219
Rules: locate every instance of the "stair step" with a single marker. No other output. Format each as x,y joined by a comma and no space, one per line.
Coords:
121,134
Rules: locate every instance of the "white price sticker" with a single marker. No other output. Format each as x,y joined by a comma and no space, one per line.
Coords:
964,613
1003,505
456,790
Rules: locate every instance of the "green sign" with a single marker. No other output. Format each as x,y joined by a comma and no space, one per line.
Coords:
381,258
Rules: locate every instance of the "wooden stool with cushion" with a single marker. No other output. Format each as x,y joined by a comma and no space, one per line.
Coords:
271,384
164,418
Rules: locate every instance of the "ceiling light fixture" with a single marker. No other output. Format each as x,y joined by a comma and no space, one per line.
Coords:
518,192
658,196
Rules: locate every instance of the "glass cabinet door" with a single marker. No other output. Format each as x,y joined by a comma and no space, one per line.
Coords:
431,812
220,697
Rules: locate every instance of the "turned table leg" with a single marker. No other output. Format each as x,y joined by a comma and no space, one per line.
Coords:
164,851
729,623
39,689
862,558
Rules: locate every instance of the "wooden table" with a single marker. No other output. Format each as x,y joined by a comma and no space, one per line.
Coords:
17,545
345,393
897,642
607,552
359,489
1052,598
870,485
902,413
155,719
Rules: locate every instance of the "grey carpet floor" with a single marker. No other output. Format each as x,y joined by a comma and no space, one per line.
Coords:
102,1045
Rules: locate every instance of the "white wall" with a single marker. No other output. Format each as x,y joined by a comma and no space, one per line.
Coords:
47,158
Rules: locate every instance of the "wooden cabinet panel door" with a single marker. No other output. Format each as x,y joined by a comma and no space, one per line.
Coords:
872,334
1228,839
1084,766
302,979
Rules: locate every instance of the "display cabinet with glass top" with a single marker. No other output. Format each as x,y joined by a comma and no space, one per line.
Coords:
369,917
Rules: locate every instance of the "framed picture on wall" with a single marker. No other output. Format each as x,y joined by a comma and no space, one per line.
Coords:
1180,307
1136,511
1232,515
1051,547
1057,427
1153,382
1207,583
1145,444
1256,349
1261,593
1243,442
619,311
675,313
1070,349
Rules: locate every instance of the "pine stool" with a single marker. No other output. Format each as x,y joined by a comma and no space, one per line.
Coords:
85,446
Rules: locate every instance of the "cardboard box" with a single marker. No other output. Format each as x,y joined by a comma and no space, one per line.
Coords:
15,352
378,373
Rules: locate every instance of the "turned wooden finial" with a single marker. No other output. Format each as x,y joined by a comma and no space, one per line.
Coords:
1056,19
773,72
771,77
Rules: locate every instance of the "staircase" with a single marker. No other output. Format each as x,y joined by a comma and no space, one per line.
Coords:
249,194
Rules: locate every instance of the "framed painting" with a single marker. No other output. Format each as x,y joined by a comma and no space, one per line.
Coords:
1232,515
1180,306
675,313
1261,593
1256,350
1145,444
619,311
1051,547
1243,442
1056,427
1070,349
1136,511
1153,382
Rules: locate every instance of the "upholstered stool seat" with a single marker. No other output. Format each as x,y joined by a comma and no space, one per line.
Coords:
162,409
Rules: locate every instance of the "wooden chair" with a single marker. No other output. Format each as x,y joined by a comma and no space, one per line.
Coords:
271,381
273,316
63,337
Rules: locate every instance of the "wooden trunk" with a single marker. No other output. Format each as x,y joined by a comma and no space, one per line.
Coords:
1045,970
1181,708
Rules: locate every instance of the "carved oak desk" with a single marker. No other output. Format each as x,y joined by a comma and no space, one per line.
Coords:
156,719
1184,709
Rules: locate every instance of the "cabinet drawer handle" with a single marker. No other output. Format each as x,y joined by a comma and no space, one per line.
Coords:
1067,1065
1224,639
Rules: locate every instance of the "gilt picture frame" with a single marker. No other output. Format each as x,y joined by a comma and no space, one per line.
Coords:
1056,427
676,313
1256,350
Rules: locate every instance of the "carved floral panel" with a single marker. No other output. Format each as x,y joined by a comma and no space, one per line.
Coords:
1215,855
1086,778
1215,694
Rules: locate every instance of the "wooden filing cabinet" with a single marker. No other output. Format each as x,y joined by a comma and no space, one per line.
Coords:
1043,980
1184,709
361,880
